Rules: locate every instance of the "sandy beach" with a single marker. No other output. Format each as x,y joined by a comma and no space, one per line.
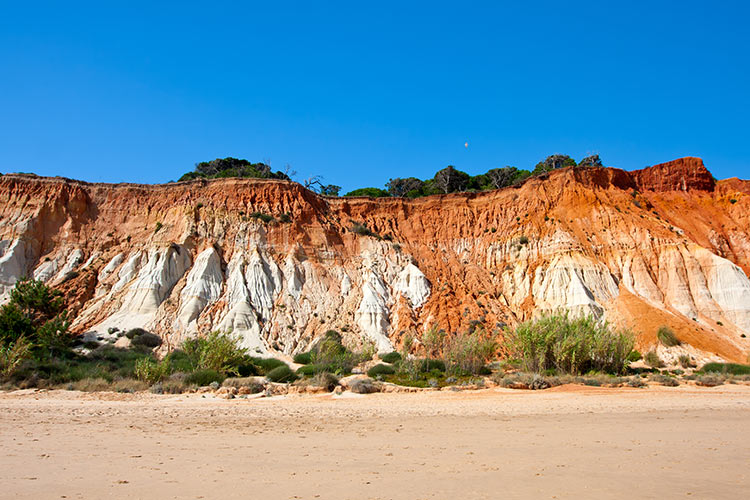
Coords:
568,442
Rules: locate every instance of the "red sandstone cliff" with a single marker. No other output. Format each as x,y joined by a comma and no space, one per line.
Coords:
662,245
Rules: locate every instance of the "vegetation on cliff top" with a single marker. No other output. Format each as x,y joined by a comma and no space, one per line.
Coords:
446,180
452,180
233,167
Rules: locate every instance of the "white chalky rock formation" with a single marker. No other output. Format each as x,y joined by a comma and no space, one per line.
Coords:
240,318
294,278
12,265
413,284
263,280
574,284
203,287
155,279
373,313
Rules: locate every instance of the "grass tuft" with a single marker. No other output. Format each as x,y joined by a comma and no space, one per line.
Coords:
667,337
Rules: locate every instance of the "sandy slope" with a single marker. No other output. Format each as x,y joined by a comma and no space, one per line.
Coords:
568,442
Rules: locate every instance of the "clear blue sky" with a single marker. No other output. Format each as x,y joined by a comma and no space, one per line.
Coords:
360,92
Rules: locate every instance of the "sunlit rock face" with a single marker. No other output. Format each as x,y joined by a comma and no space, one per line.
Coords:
186,258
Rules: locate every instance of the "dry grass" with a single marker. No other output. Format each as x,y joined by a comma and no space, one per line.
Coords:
90,385
128,385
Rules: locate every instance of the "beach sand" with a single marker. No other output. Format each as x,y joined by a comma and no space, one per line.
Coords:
568,442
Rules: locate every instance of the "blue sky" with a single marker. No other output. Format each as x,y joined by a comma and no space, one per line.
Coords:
361,92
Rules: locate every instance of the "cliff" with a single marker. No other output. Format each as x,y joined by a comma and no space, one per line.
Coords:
663,245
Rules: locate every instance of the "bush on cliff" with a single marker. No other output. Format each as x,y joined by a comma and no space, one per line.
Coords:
232,167
667,337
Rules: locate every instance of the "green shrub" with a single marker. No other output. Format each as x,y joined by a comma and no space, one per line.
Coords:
281,374
727,368
285,218
303,358
653,360
203,377
262,365
429,365
217,351
261,216
433,341
12,355
667,337
523,240
732,201
332,354
232,167
309,370
634,356
180,361
391,357
363,230
369,191
313,369
152,371
35,312
140,337
468,352
380,369
334,336
569,345
248,370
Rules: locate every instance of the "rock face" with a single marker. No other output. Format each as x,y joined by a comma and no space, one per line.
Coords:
662,245
684,174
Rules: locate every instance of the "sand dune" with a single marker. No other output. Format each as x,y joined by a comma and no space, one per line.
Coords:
570,442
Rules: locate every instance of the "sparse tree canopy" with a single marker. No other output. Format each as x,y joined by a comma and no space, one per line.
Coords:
501,177
449,179
402,187
553,162
591,161
330,190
